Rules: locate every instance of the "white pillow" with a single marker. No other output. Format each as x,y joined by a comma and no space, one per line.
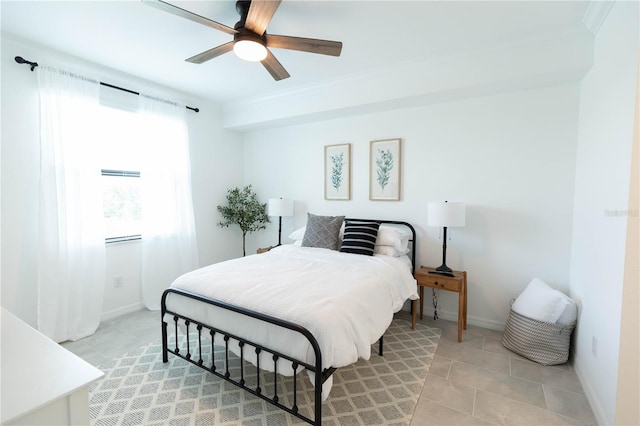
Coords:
540,302
298,234
394,237
389,251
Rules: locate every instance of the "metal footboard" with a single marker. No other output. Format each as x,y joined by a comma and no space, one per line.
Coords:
194,353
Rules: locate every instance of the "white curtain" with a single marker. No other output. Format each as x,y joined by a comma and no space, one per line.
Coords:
71,251
169,246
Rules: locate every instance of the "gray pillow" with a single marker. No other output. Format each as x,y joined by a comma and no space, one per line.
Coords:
323,231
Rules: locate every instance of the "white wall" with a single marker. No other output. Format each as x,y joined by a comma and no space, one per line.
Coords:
607,97
216,162
510,157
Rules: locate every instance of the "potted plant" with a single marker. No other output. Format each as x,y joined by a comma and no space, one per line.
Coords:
243,209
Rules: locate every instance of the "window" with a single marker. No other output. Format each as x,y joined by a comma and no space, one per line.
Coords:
121,200
120,143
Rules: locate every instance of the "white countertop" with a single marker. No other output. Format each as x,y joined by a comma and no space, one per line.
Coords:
35,370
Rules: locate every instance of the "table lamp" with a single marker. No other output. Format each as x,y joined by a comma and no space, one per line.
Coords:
279,207
445,214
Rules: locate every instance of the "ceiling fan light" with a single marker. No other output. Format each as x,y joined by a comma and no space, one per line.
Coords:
249,50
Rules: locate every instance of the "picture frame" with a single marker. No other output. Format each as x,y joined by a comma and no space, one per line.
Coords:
385,166
337,172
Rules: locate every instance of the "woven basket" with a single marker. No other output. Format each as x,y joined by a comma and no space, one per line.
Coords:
542,342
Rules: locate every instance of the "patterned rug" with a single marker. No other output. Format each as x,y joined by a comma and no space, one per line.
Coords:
139,389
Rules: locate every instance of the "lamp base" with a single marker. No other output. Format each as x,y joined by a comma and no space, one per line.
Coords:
443,270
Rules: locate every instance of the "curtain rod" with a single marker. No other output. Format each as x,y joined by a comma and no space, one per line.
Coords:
33,65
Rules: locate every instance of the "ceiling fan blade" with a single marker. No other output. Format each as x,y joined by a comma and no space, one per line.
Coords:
312,45
260,14
274,67
211,53
168,7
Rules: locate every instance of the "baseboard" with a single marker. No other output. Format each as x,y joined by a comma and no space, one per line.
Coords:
471,320
486,323
123,310
598,412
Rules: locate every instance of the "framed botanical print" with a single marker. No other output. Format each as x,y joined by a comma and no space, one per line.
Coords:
337,172
384,170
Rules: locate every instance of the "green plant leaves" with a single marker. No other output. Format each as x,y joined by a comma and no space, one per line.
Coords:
243,209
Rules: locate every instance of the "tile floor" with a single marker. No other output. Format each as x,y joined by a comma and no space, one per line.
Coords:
475,382
480,382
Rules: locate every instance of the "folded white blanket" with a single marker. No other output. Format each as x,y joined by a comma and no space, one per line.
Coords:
543,303
346,301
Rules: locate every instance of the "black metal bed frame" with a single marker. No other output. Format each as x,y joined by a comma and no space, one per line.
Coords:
320,375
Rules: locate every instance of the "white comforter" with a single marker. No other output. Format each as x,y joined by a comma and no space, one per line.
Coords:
346,301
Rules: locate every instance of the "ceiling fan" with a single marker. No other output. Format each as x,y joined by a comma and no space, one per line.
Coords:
250,39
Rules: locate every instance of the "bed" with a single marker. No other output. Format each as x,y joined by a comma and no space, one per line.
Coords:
292,310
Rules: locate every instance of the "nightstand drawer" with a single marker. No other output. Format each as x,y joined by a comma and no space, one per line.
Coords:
446,284
427,279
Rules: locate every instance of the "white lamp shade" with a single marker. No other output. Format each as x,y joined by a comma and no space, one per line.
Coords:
443,213
279,207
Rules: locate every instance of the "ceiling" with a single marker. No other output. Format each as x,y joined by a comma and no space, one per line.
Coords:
134,38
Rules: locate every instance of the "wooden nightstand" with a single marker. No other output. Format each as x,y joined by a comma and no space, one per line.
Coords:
457,283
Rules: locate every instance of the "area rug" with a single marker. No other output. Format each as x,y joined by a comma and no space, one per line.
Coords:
139,389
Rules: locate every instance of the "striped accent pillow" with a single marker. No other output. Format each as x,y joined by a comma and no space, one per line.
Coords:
360,237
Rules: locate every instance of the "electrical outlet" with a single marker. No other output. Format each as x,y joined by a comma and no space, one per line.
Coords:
594,346
117,282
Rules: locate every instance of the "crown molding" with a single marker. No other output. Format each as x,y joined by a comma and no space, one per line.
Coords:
553,58
596,13
548,39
